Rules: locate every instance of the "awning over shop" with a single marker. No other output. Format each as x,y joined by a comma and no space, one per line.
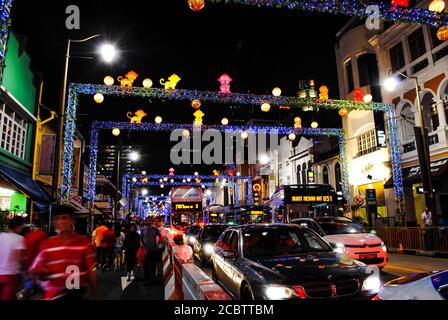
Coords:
26,185
413,174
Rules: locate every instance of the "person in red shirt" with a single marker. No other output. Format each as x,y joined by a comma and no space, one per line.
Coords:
108,243
66,261
33,241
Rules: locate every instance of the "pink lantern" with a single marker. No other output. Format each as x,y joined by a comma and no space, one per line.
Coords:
185,253
171,172
225,80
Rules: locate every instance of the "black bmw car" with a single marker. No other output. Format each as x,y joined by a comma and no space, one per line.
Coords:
203,245
279,262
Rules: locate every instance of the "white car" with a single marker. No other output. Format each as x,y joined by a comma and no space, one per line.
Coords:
421,286
350,238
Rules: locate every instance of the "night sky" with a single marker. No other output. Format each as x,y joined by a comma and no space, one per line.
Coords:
259,48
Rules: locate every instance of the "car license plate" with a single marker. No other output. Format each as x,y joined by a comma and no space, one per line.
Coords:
367,256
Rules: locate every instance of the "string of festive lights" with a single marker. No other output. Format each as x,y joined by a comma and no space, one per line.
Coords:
230,98
395,155
358,8
5,24
76,90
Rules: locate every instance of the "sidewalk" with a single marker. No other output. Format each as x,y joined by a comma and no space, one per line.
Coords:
114,286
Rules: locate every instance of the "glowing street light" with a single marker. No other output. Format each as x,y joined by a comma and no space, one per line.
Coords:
108,52
390,84
134,156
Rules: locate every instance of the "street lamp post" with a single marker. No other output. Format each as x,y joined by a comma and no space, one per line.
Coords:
422,144
108,54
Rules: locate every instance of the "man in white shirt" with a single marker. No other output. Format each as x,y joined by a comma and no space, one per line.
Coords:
12,253
427,217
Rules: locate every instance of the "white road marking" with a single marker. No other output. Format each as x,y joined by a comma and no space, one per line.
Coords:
125,283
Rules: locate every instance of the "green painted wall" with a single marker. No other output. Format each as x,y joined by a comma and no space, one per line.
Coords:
18,200
17,76
18,81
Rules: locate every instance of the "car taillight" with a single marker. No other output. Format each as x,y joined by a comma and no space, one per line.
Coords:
300,292
376,298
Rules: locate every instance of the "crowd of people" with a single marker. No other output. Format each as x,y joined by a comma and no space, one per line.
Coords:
63,265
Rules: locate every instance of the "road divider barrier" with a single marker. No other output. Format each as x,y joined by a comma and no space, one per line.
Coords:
186,281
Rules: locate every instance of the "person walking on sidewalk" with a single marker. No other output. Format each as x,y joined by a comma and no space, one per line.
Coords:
97,238
131,245
119,239
12,258
108,243
162,242
66,260
150,237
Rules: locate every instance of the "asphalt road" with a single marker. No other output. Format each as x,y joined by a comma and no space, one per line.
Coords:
114,285
399,265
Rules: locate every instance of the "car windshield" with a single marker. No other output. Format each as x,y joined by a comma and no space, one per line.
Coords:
341,226
213,232
273,242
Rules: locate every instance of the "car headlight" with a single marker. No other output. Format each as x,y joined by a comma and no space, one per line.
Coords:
372,284
208,249
192,240
338,247
383,247
278,292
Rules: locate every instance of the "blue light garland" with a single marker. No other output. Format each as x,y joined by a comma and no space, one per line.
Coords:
352,8
76,90
5,24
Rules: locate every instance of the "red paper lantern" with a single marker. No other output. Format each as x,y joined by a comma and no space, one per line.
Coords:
400,3
196,5
357,95
196,104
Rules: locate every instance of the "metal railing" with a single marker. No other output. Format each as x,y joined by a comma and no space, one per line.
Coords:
418,239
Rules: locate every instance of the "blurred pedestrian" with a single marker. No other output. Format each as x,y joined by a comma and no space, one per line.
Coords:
427,217
131,245
151,237
162,243
108,243
66,260
12,258
97,238
119,239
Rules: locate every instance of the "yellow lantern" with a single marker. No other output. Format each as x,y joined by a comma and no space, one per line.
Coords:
109,81
437,6
442,33
147,83
116,132
244,135
343,112
158,120
277,92
265,107
314,125
292,137
196,5
224,121
297,123
186,133
99,98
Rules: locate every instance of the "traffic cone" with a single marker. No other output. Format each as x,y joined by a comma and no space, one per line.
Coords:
400,249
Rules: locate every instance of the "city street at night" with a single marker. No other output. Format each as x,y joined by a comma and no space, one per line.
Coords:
192,152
